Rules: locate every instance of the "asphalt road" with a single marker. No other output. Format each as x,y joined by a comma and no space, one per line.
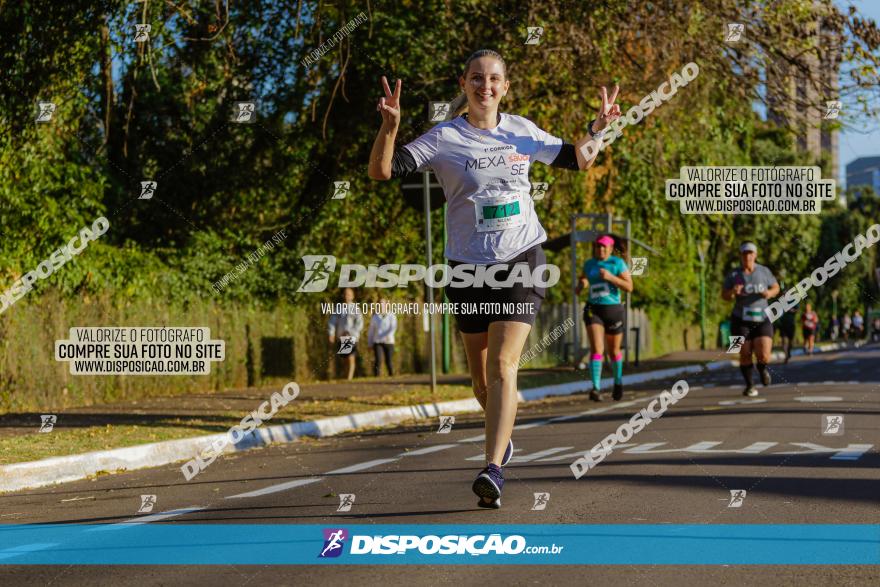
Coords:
680,469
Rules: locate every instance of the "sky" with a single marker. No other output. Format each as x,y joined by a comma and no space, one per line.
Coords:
855,143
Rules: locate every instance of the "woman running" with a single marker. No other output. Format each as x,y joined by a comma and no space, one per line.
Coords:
605,317
751,285
786,323
809,324
786,331
482,160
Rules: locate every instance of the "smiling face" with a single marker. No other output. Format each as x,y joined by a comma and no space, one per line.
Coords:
484,84
602,251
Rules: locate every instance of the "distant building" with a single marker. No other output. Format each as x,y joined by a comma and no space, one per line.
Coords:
864,171
798,97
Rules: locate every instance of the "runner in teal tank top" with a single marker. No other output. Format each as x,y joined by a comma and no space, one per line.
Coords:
605,317
604,292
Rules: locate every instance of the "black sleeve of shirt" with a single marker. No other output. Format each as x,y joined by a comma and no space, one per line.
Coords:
403,163
567,158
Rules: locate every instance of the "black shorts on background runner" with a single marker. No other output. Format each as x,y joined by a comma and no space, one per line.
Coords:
515,295
610,316
786,325
750,330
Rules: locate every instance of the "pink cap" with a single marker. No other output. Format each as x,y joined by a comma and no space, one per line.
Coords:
605,240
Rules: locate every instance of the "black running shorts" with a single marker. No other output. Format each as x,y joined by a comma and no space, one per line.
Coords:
750,330
786,325
610,316
477,307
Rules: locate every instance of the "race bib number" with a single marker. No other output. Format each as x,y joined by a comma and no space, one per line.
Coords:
499,212
599,290
751,314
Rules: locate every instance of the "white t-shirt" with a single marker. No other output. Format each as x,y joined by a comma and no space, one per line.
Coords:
490,215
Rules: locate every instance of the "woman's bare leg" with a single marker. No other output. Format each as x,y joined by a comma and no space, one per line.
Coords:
596,335
506,340
351,365
612,343
475,348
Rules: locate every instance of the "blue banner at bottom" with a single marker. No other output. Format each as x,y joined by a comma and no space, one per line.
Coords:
526,544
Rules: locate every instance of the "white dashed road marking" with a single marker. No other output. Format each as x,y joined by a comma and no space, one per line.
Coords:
145,519
276,488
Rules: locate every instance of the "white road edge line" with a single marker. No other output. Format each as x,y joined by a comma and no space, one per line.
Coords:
350,469
563,418
145,519
361,466
276,488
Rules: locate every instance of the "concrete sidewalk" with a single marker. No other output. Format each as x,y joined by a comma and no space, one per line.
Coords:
68,468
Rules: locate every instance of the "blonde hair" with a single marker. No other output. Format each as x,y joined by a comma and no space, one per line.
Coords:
459,103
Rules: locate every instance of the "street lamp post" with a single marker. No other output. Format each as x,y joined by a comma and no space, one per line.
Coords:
701,251
834,295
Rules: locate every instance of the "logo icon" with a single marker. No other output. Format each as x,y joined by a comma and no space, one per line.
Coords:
832,109
639,264
318,270
346,500
48,422
45,111
736,343
334,539
147,503
541,500
533,35
245,112
147,190
340,190
438,111
737,497
346,345
539,188
142,33
832,425
734,32
446,423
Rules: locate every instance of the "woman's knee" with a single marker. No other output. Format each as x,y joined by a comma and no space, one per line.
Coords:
480,388
612,345
502,368
478,379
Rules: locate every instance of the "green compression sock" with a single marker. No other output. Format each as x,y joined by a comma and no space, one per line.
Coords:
618,368
596,370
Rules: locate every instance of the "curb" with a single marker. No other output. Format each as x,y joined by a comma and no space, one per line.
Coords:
80,466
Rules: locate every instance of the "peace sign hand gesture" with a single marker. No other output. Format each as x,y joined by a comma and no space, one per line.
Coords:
608,110
389,106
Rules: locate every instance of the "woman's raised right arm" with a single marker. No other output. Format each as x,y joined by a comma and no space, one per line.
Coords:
383,146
